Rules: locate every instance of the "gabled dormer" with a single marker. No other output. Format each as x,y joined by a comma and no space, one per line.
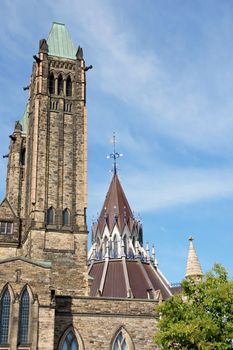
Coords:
9,226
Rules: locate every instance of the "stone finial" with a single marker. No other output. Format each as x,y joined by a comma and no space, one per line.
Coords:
18,127
193,267
43,46
153,256
147,252
137,254
79,53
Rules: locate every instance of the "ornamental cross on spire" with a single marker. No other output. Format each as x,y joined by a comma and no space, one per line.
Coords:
114,155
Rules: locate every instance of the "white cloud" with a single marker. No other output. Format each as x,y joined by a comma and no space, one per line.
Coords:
149,192
176,104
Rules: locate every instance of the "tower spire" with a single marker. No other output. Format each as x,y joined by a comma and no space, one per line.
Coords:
114,155
193,267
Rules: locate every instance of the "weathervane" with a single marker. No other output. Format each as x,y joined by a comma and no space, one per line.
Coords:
114,155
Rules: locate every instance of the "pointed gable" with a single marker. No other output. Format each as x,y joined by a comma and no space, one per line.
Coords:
6,211
60,43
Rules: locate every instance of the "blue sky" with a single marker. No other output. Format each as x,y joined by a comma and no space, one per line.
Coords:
163,81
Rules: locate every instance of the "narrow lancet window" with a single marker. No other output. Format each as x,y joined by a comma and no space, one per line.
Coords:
22,157
68,87
115,247
60,85
50,216
24,318
5,317
70,342
66,217
51,84
120,343
125,245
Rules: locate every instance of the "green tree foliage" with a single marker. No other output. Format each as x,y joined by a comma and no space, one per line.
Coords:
201,318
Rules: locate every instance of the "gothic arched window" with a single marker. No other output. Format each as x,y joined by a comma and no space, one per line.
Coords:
125,245
120,343
115,247
68,87
5,316
24,317
22,156
70,342
60,85
50,216
51,84
66,217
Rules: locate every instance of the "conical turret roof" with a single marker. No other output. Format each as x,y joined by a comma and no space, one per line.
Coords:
116,209
193,267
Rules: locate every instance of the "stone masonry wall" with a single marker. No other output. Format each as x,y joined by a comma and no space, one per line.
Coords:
97,321
17,274
67,252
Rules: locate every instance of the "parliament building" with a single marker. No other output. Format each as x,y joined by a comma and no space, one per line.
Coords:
53,293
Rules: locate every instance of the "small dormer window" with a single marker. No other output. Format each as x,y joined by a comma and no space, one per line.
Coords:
6,228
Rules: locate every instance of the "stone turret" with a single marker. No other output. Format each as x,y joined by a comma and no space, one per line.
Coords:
193,267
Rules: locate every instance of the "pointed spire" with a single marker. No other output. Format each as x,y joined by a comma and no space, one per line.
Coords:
43,46
193,267
116,209
79,53
153,256
147,252
114,155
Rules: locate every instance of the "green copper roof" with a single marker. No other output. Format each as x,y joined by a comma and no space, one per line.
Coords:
24,120
60,43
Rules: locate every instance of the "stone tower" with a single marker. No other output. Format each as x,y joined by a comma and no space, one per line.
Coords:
47,300
47,170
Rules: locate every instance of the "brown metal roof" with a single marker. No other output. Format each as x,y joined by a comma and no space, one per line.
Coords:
115,282
143,279
138,283
116,209
157,281
96,272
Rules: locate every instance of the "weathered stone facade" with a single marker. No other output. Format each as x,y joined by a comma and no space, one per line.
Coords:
43,238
